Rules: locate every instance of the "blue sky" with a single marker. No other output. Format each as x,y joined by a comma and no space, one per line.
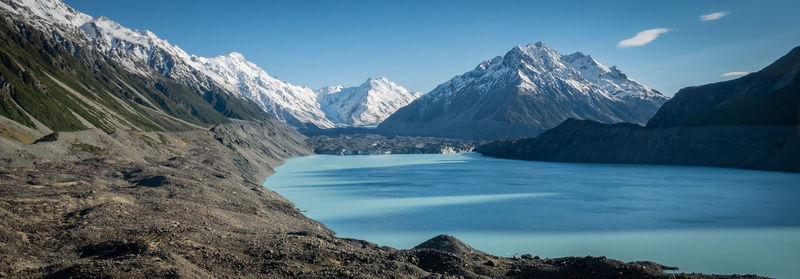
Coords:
419,44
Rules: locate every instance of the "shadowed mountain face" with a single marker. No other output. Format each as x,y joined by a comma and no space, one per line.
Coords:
526,91
748,147
767,97
750,122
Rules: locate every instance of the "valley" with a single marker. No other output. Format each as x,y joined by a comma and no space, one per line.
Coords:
188,204
123,155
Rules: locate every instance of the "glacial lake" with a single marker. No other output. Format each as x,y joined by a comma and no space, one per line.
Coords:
700,219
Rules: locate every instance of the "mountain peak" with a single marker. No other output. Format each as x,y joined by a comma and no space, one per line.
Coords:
365,105
107,23
109,34
535,65
330,89
542,85
577,55
52,11
540,44
102,27
236,56
535,57
539,49
383,80
580,60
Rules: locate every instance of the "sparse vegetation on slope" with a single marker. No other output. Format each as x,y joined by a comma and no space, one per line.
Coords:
68,87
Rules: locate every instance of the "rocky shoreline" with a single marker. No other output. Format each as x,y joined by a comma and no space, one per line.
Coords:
190,204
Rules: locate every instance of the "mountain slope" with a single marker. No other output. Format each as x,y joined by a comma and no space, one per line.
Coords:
775,148
293,104
44,13
750,122
365,105
230,74
767,97
219,80
68,28
53,78
42,82
526,91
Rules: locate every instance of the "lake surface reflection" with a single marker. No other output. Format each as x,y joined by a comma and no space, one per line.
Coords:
709,220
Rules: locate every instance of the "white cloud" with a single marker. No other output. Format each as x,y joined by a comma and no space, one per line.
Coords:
713,16
734,74
642,38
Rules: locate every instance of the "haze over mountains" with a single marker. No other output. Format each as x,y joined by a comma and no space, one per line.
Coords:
524,92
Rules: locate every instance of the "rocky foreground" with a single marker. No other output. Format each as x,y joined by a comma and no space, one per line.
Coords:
190,204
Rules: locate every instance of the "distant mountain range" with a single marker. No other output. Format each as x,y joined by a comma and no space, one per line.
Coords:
62,70
526,91
751,122
217,79
365,105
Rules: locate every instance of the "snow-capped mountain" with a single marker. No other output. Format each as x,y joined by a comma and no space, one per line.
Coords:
527,90
45,12
291,103
610,79
524,92
142,51
145,53
233,73
365,105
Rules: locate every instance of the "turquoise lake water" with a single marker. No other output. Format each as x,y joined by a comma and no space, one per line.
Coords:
700,219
